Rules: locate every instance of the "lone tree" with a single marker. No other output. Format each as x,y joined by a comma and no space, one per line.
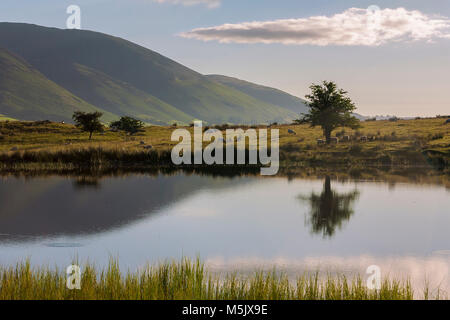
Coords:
88,122
330,108
127,124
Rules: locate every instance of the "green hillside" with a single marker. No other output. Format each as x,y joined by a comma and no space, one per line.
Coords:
269,95
5,118
121,98
123,78
28,95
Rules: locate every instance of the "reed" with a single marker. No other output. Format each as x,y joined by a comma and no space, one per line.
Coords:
190,280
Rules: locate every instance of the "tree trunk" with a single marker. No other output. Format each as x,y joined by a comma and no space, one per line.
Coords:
327,134
90,135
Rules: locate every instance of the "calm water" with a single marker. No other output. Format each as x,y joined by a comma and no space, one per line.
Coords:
231,223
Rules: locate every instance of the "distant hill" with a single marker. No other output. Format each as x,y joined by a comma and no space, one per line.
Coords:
26,94
121,78
4,118
270,95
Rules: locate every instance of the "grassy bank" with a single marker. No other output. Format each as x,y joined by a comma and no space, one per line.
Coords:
404,142
190,280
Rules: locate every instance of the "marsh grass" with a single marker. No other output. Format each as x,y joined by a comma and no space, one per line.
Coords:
189,280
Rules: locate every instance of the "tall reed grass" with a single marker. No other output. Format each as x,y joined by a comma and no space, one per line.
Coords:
188,280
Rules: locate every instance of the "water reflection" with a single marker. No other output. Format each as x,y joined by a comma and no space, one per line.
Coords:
142,218
53,206
330,209
87,182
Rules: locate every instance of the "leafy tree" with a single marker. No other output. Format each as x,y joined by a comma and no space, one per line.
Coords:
128,124
330,108
88,122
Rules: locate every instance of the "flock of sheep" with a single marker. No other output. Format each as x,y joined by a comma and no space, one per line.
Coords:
336,140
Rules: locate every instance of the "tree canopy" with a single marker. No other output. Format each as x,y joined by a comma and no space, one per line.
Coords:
329,108
88,122
127,124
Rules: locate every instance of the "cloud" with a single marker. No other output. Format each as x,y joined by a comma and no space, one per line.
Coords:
208,3
353,27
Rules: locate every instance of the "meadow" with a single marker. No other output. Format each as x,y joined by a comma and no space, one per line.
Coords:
416,142
190,280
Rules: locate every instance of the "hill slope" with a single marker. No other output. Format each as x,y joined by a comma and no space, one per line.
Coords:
270,95
119,97
26,94
146,84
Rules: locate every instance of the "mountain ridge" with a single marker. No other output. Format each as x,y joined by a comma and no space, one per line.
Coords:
123,78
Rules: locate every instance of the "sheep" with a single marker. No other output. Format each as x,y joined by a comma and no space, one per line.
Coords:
363,138
345,138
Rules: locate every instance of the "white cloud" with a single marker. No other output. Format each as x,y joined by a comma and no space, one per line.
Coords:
365,27
208,3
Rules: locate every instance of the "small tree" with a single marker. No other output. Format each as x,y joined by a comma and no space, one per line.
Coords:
330,108
88,122
128,124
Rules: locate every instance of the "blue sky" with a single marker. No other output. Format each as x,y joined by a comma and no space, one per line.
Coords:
402,77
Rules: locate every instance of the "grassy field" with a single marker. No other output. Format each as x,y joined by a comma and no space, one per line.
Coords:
188,280
404,142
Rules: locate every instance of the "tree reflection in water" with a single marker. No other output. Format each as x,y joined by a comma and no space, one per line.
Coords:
87,182
329,209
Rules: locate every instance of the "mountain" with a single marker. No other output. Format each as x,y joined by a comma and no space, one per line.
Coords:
122,78
270,95
26,94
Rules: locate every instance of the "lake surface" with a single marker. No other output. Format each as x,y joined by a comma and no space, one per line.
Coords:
239,223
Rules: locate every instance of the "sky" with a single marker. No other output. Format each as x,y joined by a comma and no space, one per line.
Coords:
393,57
